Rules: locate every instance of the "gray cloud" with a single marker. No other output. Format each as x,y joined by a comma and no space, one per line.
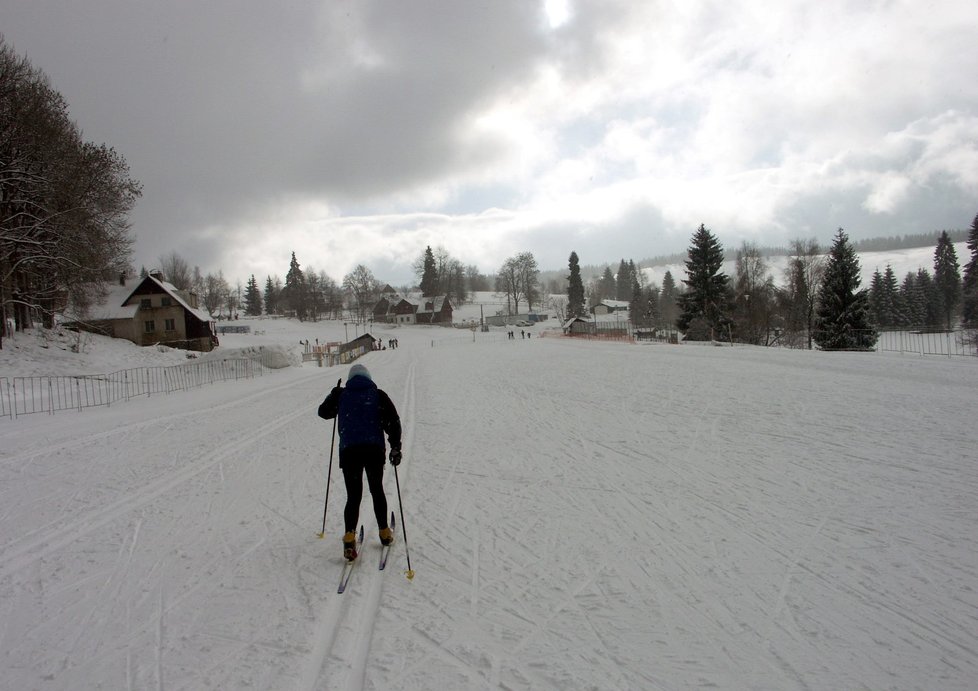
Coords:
259,130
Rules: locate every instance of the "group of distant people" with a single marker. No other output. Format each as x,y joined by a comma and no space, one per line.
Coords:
523,334
391,343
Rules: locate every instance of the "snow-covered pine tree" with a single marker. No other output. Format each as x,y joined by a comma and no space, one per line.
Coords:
842,318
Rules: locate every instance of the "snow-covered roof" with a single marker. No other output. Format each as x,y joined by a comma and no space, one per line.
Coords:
175,294
117,294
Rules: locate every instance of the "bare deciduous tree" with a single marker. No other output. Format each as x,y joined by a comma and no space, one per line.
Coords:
176,271
64,202
362,287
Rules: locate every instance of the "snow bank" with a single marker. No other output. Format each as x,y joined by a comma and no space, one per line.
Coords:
273,356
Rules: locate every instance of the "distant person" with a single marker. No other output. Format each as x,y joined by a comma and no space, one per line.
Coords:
364,414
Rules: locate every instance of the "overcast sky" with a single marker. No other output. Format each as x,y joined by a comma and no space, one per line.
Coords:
360,131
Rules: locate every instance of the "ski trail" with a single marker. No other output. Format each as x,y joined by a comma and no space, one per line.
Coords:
21,553
324,638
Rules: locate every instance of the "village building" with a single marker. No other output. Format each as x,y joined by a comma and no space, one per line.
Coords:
149,311
610,307
395,309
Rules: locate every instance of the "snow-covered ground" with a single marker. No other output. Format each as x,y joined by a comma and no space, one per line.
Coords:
580,515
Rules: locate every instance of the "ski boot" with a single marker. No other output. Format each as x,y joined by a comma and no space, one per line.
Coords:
386,536
350,546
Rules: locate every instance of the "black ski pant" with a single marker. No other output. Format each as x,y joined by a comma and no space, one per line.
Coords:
355,461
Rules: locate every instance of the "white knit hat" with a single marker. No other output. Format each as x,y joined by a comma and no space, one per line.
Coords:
359,370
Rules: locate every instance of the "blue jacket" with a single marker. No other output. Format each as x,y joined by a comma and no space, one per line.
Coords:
364,414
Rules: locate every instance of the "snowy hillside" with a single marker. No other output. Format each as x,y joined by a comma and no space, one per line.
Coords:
580,515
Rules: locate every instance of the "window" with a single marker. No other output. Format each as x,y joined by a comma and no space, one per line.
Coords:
169,324
149,326
166,301
145,303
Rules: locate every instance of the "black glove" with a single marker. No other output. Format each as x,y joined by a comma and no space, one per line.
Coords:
396,457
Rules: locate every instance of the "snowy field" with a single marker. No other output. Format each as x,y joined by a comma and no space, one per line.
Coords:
580,515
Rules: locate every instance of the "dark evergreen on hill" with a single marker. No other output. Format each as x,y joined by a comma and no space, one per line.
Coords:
947,278
842,318
704,305
969,302
575,288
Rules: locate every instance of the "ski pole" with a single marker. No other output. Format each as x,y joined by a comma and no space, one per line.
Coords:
410,571
329,473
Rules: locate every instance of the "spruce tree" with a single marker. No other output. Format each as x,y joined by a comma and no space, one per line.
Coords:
876,297
609,288
252,298
947,278
969,306
930,300
705,300
623,283
890,309
638,309
912,301
271,296
842,318
295,290
575,288
668,297
429,274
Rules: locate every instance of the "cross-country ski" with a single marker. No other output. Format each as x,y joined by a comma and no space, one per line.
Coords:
350,565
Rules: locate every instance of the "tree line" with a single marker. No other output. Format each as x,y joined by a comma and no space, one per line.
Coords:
64,202
821,300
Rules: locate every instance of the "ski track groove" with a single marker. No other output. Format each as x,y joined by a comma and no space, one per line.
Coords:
21,553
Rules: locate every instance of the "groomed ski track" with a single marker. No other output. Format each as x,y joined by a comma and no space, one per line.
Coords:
580,514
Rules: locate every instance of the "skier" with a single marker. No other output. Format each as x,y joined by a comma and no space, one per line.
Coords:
364,413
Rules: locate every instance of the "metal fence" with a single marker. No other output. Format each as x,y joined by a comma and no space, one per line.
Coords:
50,394
930,342
916,341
